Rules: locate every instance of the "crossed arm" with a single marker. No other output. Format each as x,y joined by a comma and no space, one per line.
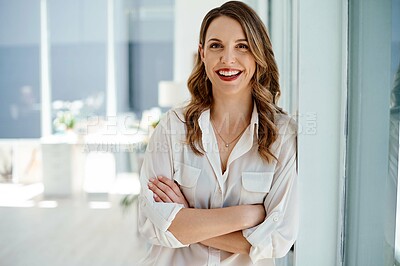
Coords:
218,228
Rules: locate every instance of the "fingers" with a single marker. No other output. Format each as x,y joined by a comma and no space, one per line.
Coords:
156,198
171,183
159,191
166,190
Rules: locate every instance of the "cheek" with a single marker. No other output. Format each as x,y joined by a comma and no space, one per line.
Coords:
211,57
253,68
209,71
206,67
209,64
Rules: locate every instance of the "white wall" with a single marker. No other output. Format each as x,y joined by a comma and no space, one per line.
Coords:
283,33
321,141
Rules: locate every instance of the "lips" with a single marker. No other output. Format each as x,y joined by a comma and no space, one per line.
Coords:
228,74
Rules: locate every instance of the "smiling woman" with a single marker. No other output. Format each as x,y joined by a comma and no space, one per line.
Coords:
227,58
218,180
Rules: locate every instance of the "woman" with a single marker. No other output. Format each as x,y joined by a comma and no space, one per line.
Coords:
219,180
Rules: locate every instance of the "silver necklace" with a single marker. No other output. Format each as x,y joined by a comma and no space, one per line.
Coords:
225,142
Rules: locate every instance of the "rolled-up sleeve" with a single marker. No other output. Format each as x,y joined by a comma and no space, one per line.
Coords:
155,217
274,237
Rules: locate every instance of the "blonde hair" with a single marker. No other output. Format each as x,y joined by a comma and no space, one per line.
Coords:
265,81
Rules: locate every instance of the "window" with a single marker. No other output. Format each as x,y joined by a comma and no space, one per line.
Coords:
20,69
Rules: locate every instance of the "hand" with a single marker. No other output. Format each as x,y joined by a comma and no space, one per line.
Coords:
166,190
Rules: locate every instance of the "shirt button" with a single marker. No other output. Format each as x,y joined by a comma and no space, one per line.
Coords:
275,219
219,189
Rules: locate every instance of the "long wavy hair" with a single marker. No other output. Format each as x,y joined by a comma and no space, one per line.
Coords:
264,83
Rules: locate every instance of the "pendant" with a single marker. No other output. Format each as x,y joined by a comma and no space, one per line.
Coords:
227,145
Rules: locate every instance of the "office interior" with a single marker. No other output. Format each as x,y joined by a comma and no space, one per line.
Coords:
83,84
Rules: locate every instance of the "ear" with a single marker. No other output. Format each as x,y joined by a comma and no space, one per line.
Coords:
201,52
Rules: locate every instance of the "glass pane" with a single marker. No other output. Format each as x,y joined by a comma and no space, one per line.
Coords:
394,117
372,147
19,69
78,53
151,50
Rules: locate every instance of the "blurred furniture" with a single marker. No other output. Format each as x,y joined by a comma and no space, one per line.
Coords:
66,159
171,93
63,165
20,161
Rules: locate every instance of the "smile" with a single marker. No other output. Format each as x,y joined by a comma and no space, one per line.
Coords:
228,75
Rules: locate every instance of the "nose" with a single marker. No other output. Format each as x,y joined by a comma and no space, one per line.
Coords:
228,56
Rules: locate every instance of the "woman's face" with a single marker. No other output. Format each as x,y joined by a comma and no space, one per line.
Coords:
227,58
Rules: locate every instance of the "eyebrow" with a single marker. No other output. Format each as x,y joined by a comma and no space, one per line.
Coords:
218,40
214,40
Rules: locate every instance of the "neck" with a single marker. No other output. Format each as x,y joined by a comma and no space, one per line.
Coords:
232,112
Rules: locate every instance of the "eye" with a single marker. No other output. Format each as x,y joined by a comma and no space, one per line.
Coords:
215,45
243,46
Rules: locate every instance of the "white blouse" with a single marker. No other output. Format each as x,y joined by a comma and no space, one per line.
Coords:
248,179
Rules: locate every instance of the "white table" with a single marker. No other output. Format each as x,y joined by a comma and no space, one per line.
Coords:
65,155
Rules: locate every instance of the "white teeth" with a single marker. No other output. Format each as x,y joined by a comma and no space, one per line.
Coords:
228,73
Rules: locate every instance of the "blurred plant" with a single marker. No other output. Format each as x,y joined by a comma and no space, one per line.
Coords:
64,121
155,123
69,113
127,201
66,116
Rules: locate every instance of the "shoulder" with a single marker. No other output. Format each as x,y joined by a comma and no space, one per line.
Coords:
286,124
173,119
178,114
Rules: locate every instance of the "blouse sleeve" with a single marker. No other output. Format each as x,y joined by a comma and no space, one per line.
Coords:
156,217
274,237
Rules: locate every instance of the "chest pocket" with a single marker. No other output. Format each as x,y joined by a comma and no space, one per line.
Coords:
255,187
187,177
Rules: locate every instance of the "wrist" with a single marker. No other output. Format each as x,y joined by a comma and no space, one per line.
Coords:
252,215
